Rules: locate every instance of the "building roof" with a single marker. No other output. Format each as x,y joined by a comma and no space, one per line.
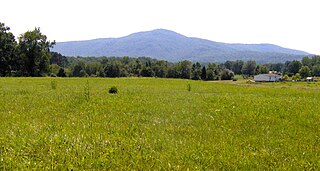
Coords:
270,75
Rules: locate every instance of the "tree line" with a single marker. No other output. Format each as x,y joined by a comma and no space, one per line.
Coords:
30,56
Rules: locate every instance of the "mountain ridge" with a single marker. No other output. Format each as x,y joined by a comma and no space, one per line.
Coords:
172,46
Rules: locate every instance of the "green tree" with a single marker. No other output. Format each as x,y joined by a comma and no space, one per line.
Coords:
305,72
61,73
196,71
93,68
57,58
79,70
160,68
184,69
211,72
294,67
113,69
204,73
249,68
296,77
146,71
306,61
35,52
316,70
226,74
8,45
264,69
285,77
54,69
237,67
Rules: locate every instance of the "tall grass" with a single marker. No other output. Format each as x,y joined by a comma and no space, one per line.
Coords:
155,124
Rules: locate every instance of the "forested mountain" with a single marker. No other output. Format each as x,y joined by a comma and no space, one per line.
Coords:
171,46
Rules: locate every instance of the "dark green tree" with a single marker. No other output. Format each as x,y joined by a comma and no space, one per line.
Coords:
160,68
249,68
211,75
229,64
316,70
35,52
294,67
184,69
8,60
61,73
306,61
146,71
113,69
57,58
237,67
204,73
79,70
226,74
196,71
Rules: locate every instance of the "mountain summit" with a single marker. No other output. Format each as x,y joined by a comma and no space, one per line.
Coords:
172,46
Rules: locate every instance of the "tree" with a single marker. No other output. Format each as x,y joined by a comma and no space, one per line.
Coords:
196,71
57,58
35,52
146,71
61,73
296,77
184,69
79,69
226,74
285,77
306,61
228,64
316,70
204,73
7,51
294,67
160,69
237,67
211,72
249,68
93,68
305,72
54,69
113,69
279,67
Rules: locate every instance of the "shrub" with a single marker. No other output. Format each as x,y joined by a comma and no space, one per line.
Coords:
87,91
189,87
53,84
226,74
113,90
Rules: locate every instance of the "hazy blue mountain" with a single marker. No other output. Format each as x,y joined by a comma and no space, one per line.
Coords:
171,46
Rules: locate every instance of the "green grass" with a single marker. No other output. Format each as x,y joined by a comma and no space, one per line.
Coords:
155,124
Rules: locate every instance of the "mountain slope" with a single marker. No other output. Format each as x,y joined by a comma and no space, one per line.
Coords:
171,46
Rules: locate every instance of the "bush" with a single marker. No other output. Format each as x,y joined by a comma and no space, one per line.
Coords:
113,90
53,84
226,74
189,87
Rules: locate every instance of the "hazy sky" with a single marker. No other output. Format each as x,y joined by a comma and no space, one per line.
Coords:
288,23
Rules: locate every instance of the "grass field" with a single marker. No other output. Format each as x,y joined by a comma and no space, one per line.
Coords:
155,124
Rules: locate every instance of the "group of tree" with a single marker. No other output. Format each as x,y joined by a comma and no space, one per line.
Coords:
30,55
137,67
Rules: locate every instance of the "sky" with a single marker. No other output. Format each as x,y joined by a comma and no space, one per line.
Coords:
287,23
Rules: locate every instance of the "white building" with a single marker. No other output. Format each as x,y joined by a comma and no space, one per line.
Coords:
267,78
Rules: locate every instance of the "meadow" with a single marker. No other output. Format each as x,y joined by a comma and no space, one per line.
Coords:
157,124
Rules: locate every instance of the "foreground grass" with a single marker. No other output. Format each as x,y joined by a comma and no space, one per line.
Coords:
73,123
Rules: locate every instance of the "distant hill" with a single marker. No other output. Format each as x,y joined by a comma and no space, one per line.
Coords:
171,46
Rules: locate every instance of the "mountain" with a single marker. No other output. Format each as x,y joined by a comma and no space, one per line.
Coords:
171,46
